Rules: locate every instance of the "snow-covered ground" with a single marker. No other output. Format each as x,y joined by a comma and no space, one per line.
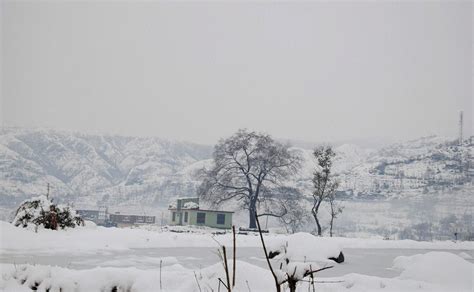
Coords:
99,259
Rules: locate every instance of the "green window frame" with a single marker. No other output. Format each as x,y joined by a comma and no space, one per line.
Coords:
220,219
201,218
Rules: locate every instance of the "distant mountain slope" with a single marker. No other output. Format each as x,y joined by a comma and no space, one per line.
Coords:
425,165
92,166
429,164
96,169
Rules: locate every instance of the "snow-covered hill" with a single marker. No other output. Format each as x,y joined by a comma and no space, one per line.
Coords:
417,167
428,164
94,169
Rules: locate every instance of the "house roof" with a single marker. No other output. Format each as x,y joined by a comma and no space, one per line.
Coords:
200,210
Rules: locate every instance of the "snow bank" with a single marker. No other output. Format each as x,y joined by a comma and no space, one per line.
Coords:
90,224
465,256
445,269
174,278
346,242
434,272
357,282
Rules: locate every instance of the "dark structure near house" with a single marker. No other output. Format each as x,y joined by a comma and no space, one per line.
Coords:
129,220
97,216
103,218
88,214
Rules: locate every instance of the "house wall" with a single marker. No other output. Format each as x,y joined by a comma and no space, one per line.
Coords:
211,219
176,220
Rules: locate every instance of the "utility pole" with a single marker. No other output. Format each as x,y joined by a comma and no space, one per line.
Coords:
462,151
460,127
47,193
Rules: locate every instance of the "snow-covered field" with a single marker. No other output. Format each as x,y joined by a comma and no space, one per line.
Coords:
98,259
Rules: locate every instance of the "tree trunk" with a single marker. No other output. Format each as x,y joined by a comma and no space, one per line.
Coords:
330,227
320,232
252,222
252,214
318,225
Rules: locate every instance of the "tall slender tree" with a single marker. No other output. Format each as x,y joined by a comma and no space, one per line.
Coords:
324,184
335,209
249,167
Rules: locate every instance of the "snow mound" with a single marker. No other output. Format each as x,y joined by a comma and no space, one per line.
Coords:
465,255
40,211
47,278
89,224
456,276
247,275
84,239
442,268
174,278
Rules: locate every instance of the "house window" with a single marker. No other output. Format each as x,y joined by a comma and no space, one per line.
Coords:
185,216
221,219
174,216
201,218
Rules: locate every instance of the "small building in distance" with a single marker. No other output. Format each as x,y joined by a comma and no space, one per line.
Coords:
99,216
187,212
103,218
122,220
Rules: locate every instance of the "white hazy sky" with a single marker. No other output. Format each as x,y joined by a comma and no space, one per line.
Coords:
198,71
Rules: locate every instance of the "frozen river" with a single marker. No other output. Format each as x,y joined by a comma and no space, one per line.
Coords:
374,262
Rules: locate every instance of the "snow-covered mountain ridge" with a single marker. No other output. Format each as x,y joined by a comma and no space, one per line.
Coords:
425,165
114,169
93,167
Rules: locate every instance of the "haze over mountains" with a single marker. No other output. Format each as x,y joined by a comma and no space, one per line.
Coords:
94,169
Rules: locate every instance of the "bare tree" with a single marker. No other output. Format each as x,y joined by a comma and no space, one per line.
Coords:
335,210
324,185
290,209
295,218
248,167
285,204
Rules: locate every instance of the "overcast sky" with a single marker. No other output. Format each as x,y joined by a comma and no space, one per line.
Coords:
199,71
